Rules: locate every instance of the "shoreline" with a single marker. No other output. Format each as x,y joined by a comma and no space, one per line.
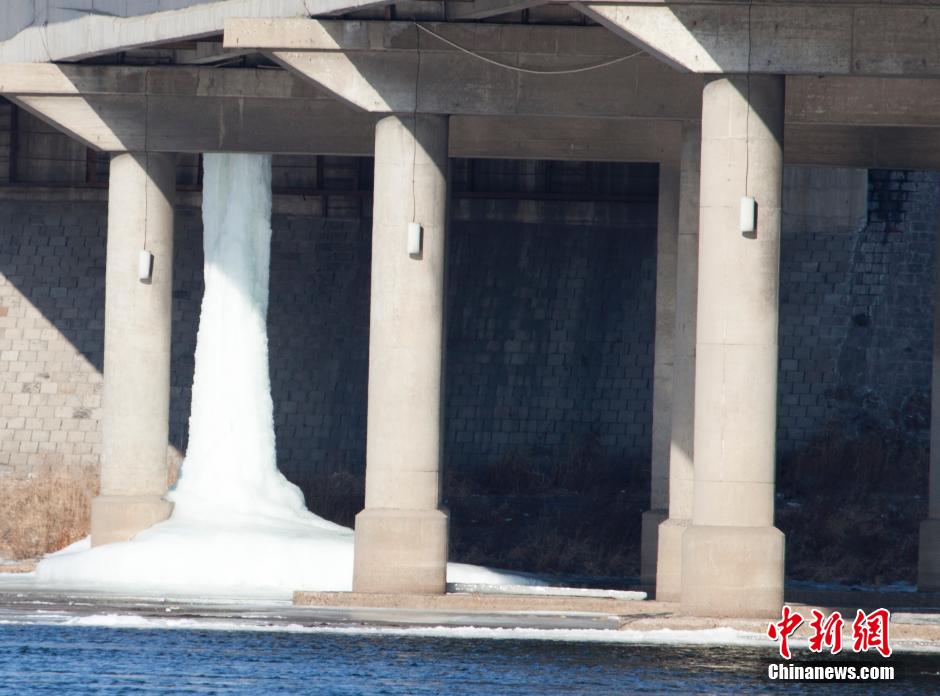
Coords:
458,615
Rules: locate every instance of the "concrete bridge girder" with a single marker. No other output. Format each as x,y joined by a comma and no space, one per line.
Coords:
64,30
461,10
455,83
399,67
112,123
120,123
832,38
838,121
831,121
163,123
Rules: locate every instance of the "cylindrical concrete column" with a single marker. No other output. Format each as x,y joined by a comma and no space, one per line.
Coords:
138,317
928,571
667,224
732,555
401,535
669,556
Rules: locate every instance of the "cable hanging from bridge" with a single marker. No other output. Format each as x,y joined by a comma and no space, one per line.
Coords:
568,71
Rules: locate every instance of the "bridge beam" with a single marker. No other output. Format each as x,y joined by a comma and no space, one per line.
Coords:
403,67
841,38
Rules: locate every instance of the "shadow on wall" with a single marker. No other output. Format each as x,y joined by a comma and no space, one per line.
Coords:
856,318
549,357
549,338
318,338
52,261
52,314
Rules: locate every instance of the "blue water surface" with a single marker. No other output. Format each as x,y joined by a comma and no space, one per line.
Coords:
56,659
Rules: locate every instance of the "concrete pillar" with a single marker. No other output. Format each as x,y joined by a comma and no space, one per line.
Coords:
667,224
669,555
138,317
928,571
401,535
732,555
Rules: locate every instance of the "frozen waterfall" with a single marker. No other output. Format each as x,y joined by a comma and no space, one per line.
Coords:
238,528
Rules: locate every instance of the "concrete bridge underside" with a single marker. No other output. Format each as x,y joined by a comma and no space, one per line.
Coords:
720,118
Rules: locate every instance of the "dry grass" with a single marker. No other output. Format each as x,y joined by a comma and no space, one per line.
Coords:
573,510
851,505
44,512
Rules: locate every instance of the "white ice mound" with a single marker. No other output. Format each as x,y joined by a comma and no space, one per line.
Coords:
239,527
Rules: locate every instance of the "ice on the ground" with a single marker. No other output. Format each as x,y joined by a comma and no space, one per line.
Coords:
80,545
899,586
546,591
658,636
718,636
239,527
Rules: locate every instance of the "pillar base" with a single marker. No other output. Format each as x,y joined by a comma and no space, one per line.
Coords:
732,571
649,543
400,551
669,560
928,571
120,518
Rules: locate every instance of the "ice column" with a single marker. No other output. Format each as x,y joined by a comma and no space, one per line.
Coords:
230,466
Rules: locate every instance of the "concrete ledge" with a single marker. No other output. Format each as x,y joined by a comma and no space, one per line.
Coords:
911,629
489,603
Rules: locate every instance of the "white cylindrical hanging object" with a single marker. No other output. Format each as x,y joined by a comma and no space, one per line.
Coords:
145,266
414,239
748,215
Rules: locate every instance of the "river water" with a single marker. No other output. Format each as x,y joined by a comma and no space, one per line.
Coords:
58,659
